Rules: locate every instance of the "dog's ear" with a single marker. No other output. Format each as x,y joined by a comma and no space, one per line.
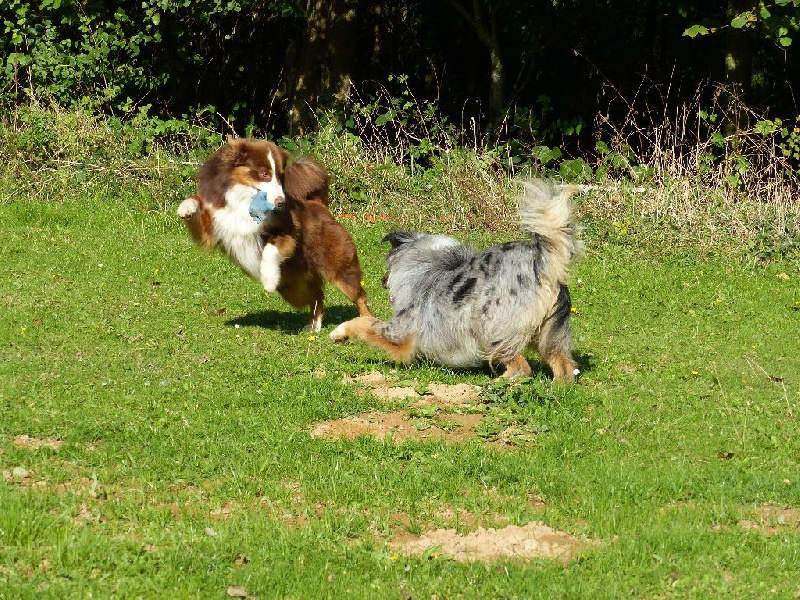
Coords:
284,154
237,151
398,238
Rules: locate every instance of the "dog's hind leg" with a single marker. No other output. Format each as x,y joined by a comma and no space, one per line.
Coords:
564,368
367,329
516,367
555,340
317,309
348,281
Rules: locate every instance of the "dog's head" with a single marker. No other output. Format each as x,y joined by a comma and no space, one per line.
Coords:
412,251
243,162
232,176
257,164
227,182
398,238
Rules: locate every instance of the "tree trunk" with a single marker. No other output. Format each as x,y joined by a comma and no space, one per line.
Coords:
738,70
320,64
485,28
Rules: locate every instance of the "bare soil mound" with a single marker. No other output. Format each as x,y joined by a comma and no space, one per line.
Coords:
439,411
534,540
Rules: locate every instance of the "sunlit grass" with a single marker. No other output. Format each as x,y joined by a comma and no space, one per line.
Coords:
156,409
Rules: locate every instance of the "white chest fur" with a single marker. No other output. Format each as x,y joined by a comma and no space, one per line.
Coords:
236,230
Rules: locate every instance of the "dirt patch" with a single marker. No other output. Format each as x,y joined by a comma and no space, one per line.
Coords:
30,443
771,519
437,411
441,394
399,426
534,540
453,413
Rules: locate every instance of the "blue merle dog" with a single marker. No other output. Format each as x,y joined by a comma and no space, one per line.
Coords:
464,308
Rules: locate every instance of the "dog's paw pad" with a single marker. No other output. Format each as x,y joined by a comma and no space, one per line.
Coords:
188,208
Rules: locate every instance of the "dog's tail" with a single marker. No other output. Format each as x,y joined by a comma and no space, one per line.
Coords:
545,211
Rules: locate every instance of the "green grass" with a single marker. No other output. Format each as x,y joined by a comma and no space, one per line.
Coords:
187,464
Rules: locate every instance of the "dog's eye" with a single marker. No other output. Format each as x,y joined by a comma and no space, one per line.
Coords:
266,175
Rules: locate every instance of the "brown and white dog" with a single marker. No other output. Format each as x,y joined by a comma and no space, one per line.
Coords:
297,247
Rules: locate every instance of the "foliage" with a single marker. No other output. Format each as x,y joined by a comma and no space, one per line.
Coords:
778,20
115,57
228,61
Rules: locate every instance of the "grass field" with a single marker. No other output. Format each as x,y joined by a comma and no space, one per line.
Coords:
156,410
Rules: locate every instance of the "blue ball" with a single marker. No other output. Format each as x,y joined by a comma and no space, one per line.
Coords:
260,206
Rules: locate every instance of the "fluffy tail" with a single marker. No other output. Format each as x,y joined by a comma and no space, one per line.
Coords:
546,213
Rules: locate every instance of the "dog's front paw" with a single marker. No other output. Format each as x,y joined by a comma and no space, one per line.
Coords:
188,208
270,279
270,270
339,334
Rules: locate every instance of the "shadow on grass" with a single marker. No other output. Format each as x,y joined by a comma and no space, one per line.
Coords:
539,370
292,321
585,361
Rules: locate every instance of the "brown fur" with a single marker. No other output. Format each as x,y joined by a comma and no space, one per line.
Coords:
199,225
241,160
306,179
316,248
363,328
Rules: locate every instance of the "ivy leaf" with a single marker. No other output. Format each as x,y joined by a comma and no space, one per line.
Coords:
766,127
696,30
740,21
545,154
785,41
